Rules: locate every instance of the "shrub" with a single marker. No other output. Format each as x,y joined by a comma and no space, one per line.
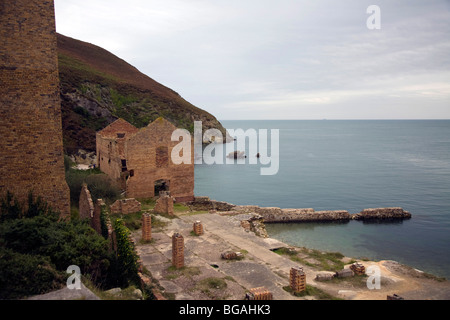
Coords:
102,187
11,208
64,243
68,163
36,247
23,275
127,259
99,185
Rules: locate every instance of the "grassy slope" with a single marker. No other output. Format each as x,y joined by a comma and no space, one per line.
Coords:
98,78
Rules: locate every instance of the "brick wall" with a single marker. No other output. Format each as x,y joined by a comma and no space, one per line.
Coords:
146,155
86,205
126,206
31,149
111,147
99,205
164,205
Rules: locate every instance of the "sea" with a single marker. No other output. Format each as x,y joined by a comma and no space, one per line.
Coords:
346,165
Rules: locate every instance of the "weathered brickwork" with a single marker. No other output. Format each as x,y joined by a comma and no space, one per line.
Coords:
99,206
297,280
260,293
358,269
111,148
86,205
198,228
146,227
139,159
177,251
164,204
31,149
126,206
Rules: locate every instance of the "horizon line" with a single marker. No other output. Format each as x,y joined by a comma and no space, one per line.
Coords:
324,119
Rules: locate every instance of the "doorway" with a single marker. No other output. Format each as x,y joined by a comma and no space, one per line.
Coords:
161,185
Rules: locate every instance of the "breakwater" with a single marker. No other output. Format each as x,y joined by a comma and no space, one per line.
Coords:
278,215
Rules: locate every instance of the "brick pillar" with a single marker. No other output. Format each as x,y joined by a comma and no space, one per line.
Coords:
358,269
260,293
146,227
297,280
177,250
198,228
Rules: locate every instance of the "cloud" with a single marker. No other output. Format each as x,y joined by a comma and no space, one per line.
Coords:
284,59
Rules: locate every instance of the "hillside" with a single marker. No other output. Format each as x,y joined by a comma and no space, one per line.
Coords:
97,87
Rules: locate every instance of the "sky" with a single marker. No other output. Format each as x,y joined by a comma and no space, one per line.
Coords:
284,59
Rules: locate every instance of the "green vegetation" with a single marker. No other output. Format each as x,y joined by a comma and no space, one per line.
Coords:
37,247
147,203
312,291
357,281
99,185
173,273
212,283
326,261
127,259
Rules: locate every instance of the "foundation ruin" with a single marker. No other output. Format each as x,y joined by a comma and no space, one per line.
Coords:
164,204
358,269
260,293
126,206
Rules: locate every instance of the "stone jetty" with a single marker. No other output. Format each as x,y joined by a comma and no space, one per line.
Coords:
382,213
279,215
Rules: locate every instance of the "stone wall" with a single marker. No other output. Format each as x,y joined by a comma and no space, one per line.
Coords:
272,215
382,213
126,206
99,206
206,204
279,215
86,205
31,145
164,204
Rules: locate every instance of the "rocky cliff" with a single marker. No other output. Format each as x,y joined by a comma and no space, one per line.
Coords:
97,87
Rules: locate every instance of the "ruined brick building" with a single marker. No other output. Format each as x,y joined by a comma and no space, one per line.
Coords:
31,146
140,160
